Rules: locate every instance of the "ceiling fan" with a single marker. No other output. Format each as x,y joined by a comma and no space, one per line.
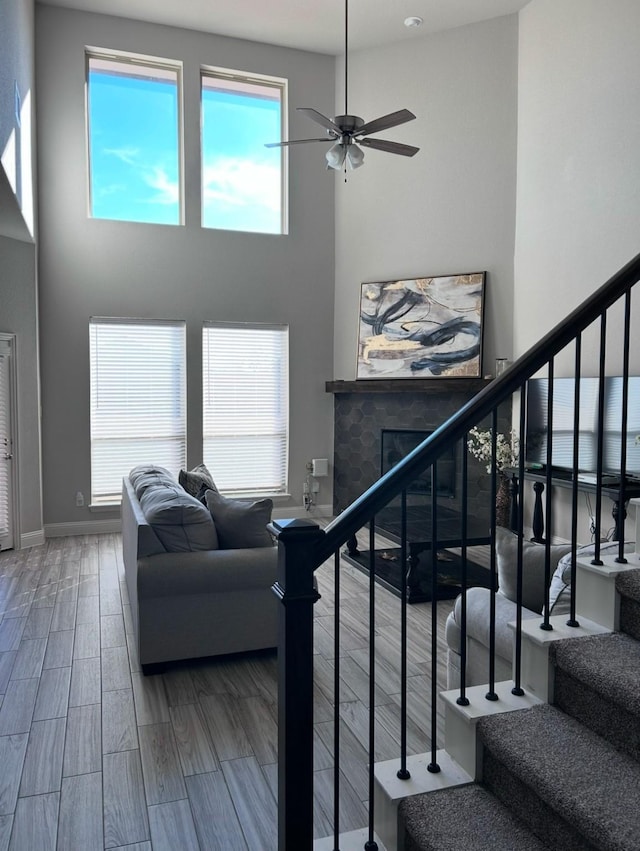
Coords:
348,132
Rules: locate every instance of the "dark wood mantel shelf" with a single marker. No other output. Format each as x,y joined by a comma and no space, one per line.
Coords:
410,385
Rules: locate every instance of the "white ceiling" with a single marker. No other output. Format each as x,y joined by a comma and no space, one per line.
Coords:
316,25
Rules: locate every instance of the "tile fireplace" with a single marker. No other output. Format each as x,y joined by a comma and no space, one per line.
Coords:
375,425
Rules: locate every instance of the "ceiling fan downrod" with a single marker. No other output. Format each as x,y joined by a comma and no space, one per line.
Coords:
346,55
347,132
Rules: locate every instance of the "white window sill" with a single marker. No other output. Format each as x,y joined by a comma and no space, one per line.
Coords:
97,507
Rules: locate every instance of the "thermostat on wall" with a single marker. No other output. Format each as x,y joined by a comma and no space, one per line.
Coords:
319,467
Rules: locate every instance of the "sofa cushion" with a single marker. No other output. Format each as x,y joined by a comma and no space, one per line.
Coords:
181,522
197,481
146,475
210,572
533,564
240,524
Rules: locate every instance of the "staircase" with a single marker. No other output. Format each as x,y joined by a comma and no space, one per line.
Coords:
564,776
560,743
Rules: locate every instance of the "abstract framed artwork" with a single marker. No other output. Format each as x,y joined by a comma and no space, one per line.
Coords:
422,327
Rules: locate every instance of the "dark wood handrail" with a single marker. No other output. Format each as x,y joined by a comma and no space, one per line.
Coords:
399,478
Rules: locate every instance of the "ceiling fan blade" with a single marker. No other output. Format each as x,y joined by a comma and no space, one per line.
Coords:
386,121
298,142
389,147
319,118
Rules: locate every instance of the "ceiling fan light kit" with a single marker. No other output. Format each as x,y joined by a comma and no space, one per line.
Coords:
344,153
347,132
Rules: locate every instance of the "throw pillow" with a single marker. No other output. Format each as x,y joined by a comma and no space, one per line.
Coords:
148,475
240,523
193,480
560,588
181,523
533,559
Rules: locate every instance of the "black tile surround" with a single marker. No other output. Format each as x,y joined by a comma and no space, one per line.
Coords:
359,417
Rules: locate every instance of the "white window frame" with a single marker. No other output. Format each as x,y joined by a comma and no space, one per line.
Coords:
122,434
148,62
246,407
282,85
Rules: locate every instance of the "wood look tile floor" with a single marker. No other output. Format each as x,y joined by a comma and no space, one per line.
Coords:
95,756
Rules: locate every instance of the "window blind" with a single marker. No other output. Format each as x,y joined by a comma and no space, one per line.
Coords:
246,407
138,394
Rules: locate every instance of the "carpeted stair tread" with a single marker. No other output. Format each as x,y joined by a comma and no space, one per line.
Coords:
462,817
628,586
606,664
550,768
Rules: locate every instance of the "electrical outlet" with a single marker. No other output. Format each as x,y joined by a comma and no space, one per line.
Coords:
305,487
79,499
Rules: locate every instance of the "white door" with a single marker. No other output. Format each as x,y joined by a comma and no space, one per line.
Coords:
6,443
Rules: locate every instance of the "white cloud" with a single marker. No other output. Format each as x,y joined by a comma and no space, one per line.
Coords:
128,155
242,183
167,190
111,189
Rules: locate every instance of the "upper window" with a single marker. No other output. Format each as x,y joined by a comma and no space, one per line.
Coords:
133,130
138,411
243,183
246,407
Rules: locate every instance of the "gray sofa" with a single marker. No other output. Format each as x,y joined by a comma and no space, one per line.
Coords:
190,597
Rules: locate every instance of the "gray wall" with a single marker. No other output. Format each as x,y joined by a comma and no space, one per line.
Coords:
578,201
578,209
18,296
451,208
91,267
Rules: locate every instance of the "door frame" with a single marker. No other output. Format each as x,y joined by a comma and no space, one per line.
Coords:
10,340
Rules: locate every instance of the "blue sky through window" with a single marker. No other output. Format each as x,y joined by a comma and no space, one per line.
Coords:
134,142
241,179
134,146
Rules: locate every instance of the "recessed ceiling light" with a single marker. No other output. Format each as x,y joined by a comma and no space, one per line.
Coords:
413,21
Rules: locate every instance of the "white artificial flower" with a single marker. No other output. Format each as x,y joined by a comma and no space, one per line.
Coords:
480,446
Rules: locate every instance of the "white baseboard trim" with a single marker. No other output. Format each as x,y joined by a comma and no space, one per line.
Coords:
32,539
82,527
300,513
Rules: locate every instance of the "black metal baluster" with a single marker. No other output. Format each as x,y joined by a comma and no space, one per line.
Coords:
371,844
573,621
491,694
403,772
546,625
433,766
600,438
517,688
336,709
463,700
620,517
